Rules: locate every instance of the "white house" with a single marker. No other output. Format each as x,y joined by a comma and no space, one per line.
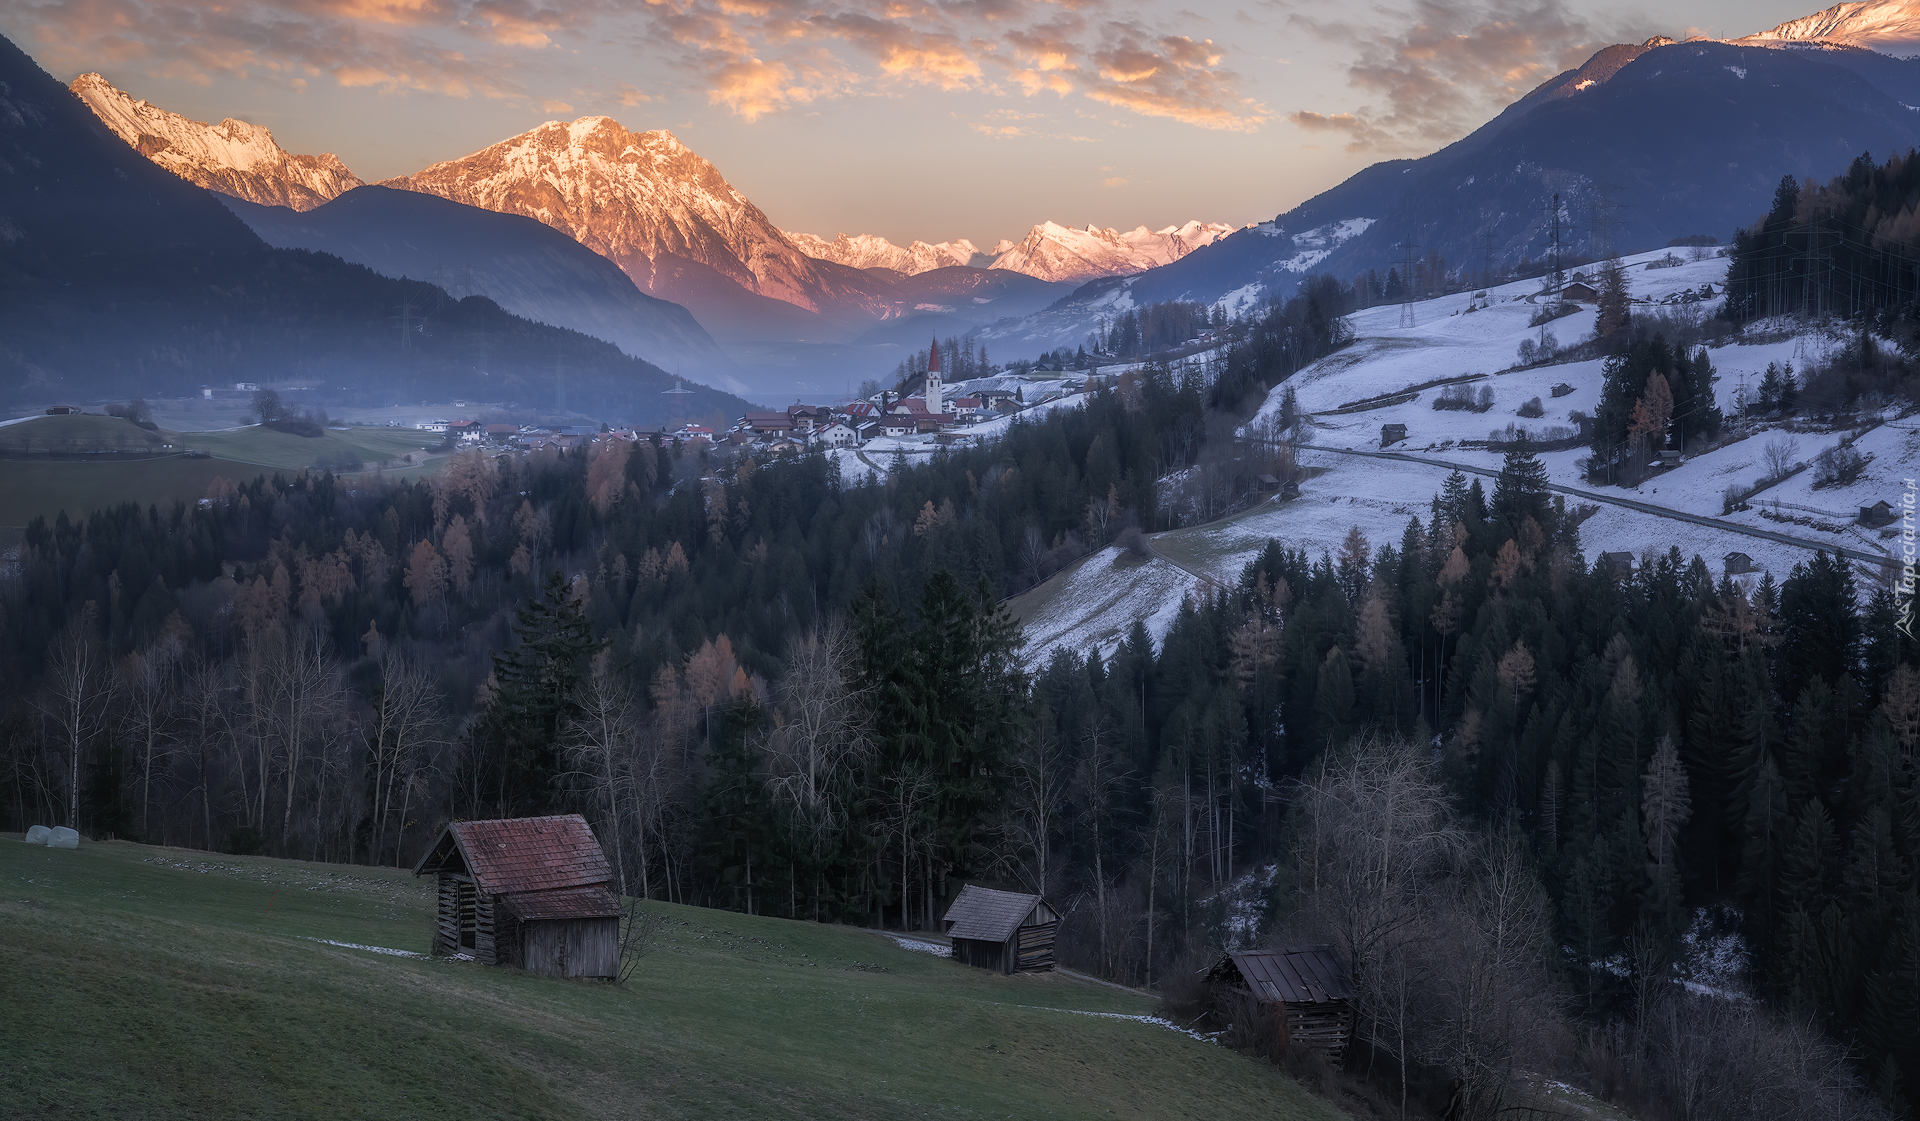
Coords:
837,435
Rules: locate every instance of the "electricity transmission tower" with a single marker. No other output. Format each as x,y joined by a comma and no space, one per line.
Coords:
1486,260
1406,282
404,319
1557,229
1604,221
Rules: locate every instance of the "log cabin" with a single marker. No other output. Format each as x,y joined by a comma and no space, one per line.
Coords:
1306,988
530,892
1002,930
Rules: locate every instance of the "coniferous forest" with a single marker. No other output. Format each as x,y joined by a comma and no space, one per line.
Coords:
1530,801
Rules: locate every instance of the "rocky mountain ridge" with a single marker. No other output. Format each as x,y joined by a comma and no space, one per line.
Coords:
232,157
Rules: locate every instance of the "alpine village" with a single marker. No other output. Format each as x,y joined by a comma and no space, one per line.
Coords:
1428,635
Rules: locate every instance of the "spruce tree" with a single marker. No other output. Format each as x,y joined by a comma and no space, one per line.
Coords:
1521,490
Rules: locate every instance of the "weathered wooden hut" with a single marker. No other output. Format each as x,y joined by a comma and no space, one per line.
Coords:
1307,988
1002,930
530,892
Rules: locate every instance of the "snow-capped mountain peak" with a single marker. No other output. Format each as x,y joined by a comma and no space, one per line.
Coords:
233,157
1051,251
1891,27
643,199
868,251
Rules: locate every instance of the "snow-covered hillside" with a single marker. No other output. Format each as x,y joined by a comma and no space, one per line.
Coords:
870,251
1891,27
1360,484
232,157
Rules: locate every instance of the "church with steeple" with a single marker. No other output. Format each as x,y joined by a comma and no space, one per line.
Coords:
932,393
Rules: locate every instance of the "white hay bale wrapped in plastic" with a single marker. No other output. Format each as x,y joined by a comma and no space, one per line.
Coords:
38,835
63,838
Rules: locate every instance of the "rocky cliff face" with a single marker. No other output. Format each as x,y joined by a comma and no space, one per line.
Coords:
232,157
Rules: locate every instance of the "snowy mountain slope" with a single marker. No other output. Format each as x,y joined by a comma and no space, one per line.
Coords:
1055,252
1890,27
1378,495
1049,252
232,157
669,218
525,267
869,251
1735,119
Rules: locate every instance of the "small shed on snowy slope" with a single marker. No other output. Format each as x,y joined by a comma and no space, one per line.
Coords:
530,892
1002,930
1307,988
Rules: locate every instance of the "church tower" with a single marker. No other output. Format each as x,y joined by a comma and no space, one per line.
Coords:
934,404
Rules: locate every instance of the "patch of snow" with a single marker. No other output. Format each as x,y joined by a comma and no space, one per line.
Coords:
1738,71
919,947
1154,1021
373,949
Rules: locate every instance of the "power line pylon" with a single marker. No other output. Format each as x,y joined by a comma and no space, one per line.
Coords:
1406,283
1604,222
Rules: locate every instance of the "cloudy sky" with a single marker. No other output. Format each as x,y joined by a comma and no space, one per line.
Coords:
926,119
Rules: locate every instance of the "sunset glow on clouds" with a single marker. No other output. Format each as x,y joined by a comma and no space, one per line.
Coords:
1134,111
753,57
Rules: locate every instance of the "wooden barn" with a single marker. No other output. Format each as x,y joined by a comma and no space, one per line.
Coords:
1002,930
1307,987
530,892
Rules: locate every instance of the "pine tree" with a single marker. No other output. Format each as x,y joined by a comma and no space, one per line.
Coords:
532,694
1521,490
1613,313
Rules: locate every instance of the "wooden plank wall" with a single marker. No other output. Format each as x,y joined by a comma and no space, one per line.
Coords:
446,925
572,947
1325,1027
1035,953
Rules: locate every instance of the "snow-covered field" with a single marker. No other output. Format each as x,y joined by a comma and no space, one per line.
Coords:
1091,606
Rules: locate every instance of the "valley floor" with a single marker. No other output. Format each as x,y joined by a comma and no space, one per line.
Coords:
147,982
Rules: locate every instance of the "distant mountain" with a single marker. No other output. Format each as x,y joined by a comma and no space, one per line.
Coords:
670,219
1054,252
118,278
525,267
1891,27
1695,137
232,157
869,251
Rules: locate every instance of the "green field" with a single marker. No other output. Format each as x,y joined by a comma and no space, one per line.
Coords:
157,983
31,486
80,433
267,448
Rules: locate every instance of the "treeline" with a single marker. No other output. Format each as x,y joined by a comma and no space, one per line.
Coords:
1846,248
1139,332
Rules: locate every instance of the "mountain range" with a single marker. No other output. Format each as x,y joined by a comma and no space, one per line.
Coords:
1048,252
119,278
1642,144
660,212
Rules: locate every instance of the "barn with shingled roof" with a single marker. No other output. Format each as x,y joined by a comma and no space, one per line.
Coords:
1002,930
531,892
1307,990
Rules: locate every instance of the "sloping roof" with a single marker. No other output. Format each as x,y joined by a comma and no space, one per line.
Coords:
988,915
510,855
567,903
1300,975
